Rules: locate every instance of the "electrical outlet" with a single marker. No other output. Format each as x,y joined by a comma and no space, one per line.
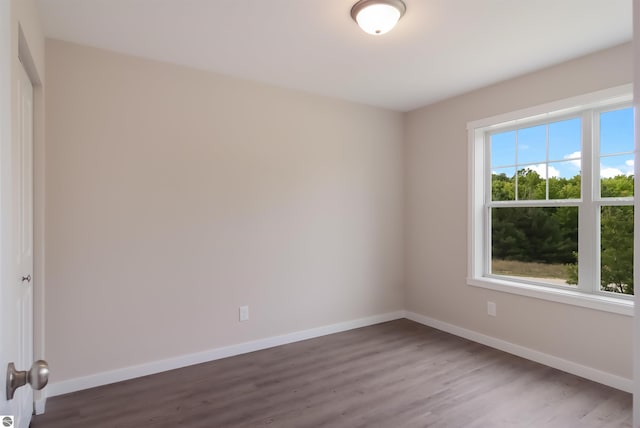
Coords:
244,313
491,308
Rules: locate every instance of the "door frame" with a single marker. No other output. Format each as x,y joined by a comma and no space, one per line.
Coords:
7,267
636,252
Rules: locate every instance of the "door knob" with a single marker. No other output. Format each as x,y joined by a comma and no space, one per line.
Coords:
37,377
26,278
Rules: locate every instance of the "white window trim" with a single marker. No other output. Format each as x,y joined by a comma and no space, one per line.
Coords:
477,249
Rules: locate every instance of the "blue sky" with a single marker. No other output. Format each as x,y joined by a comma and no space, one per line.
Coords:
616,136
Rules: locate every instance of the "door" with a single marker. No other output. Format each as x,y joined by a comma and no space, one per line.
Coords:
16,296
24,247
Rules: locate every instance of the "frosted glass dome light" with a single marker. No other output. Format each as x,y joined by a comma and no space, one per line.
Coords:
378,16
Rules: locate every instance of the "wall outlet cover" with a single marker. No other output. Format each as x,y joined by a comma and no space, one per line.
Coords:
244,313
491,308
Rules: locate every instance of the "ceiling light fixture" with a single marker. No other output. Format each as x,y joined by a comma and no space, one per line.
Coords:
378,16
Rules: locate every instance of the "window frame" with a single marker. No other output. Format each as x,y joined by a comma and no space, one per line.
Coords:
479,245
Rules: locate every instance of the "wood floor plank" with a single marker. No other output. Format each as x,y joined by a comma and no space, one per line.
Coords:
395,374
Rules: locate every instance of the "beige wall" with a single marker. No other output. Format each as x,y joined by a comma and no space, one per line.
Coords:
436,218
174,196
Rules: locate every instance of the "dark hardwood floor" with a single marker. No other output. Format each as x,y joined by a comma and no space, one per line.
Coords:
396,374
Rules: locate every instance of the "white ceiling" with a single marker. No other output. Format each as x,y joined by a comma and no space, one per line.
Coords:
440,48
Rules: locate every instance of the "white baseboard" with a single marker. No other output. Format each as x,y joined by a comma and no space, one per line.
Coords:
586,372
104,378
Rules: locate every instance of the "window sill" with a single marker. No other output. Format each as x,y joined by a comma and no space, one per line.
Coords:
569,297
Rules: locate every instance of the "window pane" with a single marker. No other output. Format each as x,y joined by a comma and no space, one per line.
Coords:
616,176
565,139
503,184
532,184
532,144
616,131
539,243
503,149
564,180
616,249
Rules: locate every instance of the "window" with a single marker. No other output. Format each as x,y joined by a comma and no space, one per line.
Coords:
551,201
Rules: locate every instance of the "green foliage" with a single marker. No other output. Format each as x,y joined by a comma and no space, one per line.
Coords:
550,234
503,188
616,237
535,234
617,187
530,186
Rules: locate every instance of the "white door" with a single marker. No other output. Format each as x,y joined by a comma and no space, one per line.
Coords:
17,282
24,245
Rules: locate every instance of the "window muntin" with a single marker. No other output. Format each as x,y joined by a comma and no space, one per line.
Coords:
548,151
535,172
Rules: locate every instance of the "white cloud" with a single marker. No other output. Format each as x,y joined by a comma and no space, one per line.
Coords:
574,158
613,171
610,172
541,169
553,172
